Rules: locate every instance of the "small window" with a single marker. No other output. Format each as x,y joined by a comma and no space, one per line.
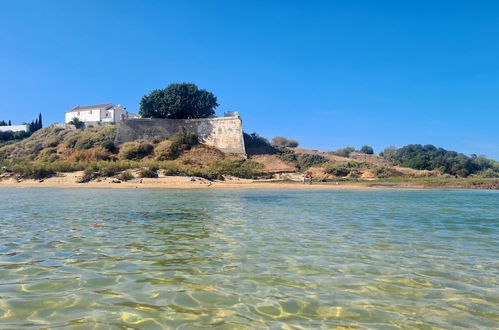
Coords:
78,113
90,111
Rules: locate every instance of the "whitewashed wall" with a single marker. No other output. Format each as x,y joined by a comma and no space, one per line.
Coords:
14,128
91,115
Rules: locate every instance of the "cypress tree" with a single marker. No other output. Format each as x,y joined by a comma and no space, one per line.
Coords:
10,124
40,121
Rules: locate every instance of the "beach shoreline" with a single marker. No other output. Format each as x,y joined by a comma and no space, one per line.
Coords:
70,180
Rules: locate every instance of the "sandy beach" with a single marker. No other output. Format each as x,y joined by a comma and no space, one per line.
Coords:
70,180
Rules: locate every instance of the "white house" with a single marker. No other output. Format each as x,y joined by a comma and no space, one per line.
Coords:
15,128
99,113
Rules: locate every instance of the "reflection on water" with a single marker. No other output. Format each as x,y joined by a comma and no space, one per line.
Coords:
245,259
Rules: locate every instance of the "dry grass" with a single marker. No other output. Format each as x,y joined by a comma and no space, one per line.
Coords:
375,159
272,164
90,155
201,155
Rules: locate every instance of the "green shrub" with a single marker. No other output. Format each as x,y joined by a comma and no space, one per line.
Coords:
342,169
166,151
125,176
148,172
48,155
135,150
33,170
429,157
285,142
88,175
77,123
343,152
90,137
258,145
51,141
235,167
108,145
337,169
178,142
185,139
90,155
286,154
487,174
383,172
305,161
85,144
367,150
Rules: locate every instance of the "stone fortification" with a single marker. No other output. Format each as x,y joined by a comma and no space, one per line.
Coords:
224,133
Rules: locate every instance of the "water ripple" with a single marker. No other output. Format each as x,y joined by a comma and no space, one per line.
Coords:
248,259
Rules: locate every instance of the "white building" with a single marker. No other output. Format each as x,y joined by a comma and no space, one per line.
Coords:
99,113
15,128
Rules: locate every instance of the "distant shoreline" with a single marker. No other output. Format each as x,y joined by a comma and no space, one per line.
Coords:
69,180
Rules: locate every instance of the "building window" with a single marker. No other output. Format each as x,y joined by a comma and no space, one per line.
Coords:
78,113
90,111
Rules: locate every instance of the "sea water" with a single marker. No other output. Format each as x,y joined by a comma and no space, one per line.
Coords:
153,259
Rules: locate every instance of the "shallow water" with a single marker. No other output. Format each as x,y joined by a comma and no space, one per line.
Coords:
150,259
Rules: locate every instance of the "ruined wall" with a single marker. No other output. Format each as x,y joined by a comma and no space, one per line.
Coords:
224,133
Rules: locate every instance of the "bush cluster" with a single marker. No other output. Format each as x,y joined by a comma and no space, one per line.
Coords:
366,150
90,137
40,170
305,161
135,150
125,176
429,157
343,152
258,145
149,172
281,141
9,135
89,155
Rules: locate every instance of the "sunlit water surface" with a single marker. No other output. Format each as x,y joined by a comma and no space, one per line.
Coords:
154,259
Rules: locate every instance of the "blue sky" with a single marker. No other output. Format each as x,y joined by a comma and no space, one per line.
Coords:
328,73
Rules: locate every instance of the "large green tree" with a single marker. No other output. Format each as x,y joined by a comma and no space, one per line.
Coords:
178,101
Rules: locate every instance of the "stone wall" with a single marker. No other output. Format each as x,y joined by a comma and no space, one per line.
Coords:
224,133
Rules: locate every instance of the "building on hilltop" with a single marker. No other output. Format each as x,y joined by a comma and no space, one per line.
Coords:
99,113
15,128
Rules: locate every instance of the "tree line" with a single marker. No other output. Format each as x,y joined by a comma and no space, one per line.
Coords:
429,157
33,126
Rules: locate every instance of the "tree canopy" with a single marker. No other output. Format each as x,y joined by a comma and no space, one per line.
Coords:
178,101
285,142
368,150
429,157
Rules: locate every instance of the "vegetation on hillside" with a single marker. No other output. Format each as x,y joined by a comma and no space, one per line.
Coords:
282,141
34,126
52,150
429,157
343,152
258,145
178,101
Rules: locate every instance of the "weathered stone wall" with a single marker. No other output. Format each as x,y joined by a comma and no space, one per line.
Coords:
224,133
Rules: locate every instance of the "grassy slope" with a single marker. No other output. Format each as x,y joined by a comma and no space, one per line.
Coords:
52,150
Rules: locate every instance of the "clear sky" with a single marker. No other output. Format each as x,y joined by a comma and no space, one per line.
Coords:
328,73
